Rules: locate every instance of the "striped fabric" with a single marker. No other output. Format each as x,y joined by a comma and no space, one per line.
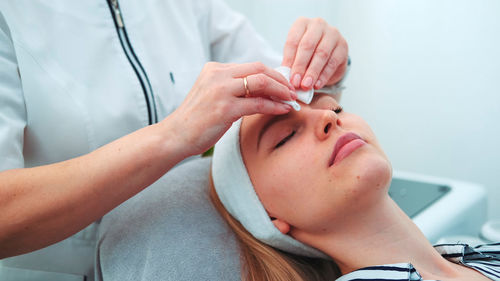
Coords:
483,258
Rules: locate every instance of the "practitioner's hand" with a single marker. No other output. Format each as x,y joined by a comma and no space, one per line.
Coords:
316,52
218,98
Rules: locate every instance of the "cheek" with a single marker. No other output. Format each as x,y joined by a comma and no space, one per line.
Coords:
284,182
356,187
357,124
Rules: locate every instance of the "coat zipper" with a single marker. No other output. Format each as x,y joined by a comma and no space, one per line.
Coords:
134,61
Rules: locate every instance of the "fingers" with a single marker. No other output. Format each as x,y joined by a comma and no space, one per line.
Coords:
214,101
305,51
335,67
247,69
320,59
262,85
261,81
292,41
260,105
314,51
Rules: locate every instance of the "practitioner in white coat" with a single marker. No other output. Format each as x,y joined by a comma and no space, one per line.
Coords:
98,99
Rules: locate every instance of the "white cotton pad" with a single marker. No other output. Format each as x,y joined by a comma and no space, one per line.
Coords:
303,96
295,105
235,190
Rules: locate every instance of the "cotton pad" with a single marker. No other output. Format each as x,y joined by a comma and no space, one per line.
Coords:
303,96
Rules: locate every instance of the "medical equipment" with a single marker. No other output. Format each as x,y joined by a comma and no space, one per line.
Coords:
440,207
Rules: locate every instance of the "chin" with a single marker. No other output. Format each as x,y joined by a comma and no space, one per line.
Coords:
369,172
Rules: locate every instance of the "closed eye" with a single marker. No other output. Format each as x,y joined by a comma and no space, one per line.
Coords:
283,141
337,109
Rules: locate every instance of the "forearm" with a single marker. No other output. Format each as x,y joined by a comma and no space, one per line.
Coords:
40,206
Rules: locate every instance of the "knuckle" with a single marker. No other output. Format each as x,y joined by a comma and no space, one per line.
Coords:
259,66
319,21
324,76
292,42
260,104
307,45
332,63
261,81
334,30
323,53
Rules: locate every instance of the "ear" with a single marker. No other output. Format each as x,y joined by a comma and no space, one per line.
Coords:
282,226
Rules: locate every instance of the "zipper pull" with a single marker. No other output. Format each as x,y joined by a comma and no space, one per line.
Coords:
118,14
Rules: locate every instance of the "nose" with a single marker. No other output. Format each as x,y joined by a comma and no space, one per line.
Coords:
325,123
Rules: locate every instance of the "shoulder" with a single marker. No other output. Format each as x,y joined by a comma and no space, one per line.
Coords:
483,258
463,252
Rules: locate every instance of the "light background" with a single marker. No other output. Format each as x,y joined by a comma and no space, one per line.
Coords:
425,75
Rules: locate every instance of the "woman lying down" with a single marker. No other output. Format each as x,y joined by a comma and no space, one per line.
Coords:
307,195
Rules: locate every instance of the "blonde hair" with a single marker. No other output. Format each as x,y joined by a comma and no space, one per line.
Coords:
262,262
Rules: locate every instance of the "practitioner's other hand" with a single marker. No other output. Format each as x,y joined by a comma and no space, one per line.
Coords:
221,96
316,52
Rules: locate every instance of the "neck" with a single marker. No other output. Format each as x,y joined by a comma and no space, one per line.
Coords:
382,235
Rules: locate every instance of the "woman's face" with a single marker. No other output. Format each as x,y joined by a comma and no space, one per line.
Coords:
314,168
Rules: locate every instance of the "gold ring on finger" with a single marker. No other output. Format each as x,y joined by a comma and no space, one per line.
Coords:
245,83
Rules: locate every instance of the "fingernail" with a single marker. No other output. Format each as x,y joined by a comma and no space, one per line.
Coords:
296,80
318,84
293,94
308,81
285,106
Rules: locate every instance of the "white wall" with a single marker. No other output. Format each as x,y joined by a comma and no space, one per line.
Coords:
425,75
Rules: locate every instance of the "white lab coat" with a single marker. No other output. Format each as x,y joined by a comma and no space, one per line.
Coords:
67,87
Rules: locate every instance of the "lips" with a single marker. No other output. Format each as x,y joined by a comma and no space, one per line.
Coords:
345,145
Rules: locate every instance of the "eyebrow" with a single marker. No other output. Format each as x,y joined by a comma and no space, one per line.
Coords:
268,124
278,118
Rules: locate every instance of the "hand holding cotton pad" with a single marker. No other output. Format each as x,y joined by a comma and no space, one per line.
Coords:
306,96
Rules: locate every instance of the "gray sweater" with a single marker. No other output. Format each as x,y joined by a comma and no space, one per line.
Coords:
169,231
